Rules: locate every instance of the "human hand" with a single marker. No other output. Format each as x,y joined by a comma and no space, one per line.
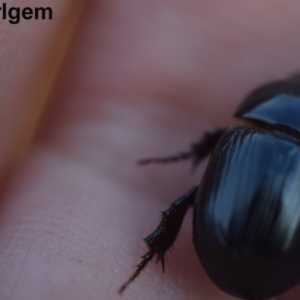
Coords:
140,79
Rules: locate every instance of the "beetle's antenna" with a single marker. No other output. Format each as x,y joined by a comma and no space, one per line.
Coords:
165,160
146,258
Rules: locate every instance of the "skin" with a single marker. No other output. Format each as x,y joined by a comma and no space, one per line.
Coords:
141,79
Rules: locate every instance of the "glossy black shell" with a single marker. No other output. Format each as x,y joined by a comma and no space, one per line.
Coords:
276,104
247,209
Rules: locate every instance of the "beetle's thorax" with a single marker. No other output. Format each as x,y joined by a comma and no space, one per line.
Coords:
275,107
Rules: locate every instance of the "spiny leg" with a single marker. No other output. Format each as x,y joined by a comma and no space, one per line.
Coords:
197,152
165,234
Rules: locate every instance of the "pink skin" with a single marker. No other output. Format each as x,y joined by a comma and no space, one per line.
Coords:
143,78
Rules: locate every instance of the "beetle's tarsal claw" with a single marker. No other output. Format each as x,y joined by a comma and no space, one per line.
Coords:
145,259
161,258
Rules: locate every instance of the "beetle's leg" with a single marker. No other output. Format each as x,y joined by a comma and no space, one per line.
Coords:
197,152
165,234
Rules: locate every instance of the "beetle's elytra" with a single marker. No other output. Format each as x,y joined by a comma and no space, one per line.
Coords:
246,224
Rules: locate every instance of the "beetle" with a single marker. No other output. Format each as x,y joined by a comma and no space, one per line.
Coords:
246,221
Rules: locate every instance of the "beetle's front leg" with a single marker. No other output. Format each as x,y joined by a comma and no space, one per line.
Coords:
197,152
165,234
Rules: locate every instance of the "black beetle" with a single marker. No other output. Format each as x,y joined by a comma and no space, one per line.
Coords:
246,224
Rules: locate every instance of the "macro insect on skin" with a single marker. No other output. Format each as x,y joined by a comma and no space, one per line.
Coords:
246,223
